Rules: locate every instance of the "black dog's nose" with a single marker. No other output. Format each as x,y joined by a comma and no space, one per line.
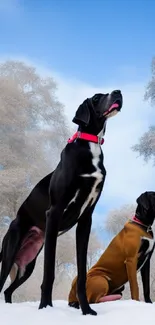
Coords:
116,92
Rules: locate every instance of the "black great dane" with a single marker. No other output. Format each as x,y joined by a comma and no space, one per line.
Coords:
60,200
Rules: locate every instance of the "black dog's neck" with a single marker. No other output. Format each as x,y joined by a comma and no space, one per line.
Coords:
87,130
96,124
97,128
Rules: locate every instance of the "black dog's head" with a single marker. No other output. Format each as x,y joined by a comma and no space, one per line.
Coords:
93,112
145,211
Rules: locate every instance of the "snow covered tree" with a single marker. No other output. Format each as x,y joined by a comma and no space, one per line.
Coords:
146,149
95,249
117,218
33,131
146,145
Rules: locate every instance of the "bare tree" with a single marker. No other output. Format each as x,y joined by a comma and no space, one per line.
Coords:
150,90
116,218
95,249
146,149
146,145
33,130
13,190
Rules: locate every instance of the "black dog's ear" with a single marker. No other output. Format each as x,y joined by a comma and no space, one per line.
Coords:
82,115
143,200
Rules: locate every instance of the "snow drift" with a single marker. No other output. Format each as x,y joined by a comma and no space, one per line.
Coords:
125,312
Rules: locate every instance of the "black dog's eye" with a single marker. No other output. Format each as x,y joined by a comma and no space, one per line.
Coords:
96,98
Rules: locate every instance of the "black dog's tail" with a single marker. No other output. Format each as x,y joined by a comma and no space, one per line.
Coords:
1,256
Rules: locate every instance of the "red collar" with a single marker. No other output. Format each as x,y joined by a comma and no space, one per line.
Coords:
87,137
135,219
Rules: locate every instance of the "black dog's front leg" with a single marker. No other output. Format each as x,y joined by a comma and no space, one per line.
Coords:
52,225
145,274
82,238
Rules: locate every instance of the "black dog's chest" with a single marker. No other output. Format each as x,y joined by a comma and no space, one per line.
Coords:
86,193
146,249
77,182
83,199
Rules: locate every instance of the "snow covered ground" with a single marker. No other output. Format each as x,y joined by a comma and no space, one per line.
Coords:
125,312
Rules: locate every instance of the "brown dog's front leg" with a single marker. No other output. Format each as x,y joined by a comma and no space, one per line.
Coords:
52,225
131,266
82,238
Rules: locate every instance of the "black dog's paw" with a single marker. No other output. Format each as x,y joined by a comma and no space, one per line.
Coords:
89,311
148,301
74,304
44,304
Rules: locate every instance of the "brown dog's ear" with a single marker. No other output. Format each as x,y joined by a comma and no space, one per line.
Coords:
143,200
82,115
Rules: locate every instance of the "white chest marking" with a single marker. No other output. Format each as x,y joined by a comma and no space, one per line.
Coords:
96,151
151,244
97,174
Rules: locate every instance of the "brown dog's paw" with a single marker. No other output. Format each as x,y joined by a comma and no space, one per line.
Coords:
74,304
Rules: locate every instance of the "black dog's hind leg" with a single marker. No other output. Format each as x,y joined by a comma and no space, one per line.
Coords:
18,281
145,274
82,239
10,246
53,218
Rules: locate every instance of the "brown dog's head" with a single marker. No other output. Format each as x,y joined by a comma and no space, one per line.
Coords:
93,112
145,211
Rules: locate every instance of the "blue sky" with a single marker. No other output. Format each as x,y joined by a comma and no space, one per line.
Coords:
87,39
89,46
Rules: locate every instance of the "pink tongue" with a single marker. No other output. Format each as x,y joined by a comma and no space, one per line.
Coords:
113,106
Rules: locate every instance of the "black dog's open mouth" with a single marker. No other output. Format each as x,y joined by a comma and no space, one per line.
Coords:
116,106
